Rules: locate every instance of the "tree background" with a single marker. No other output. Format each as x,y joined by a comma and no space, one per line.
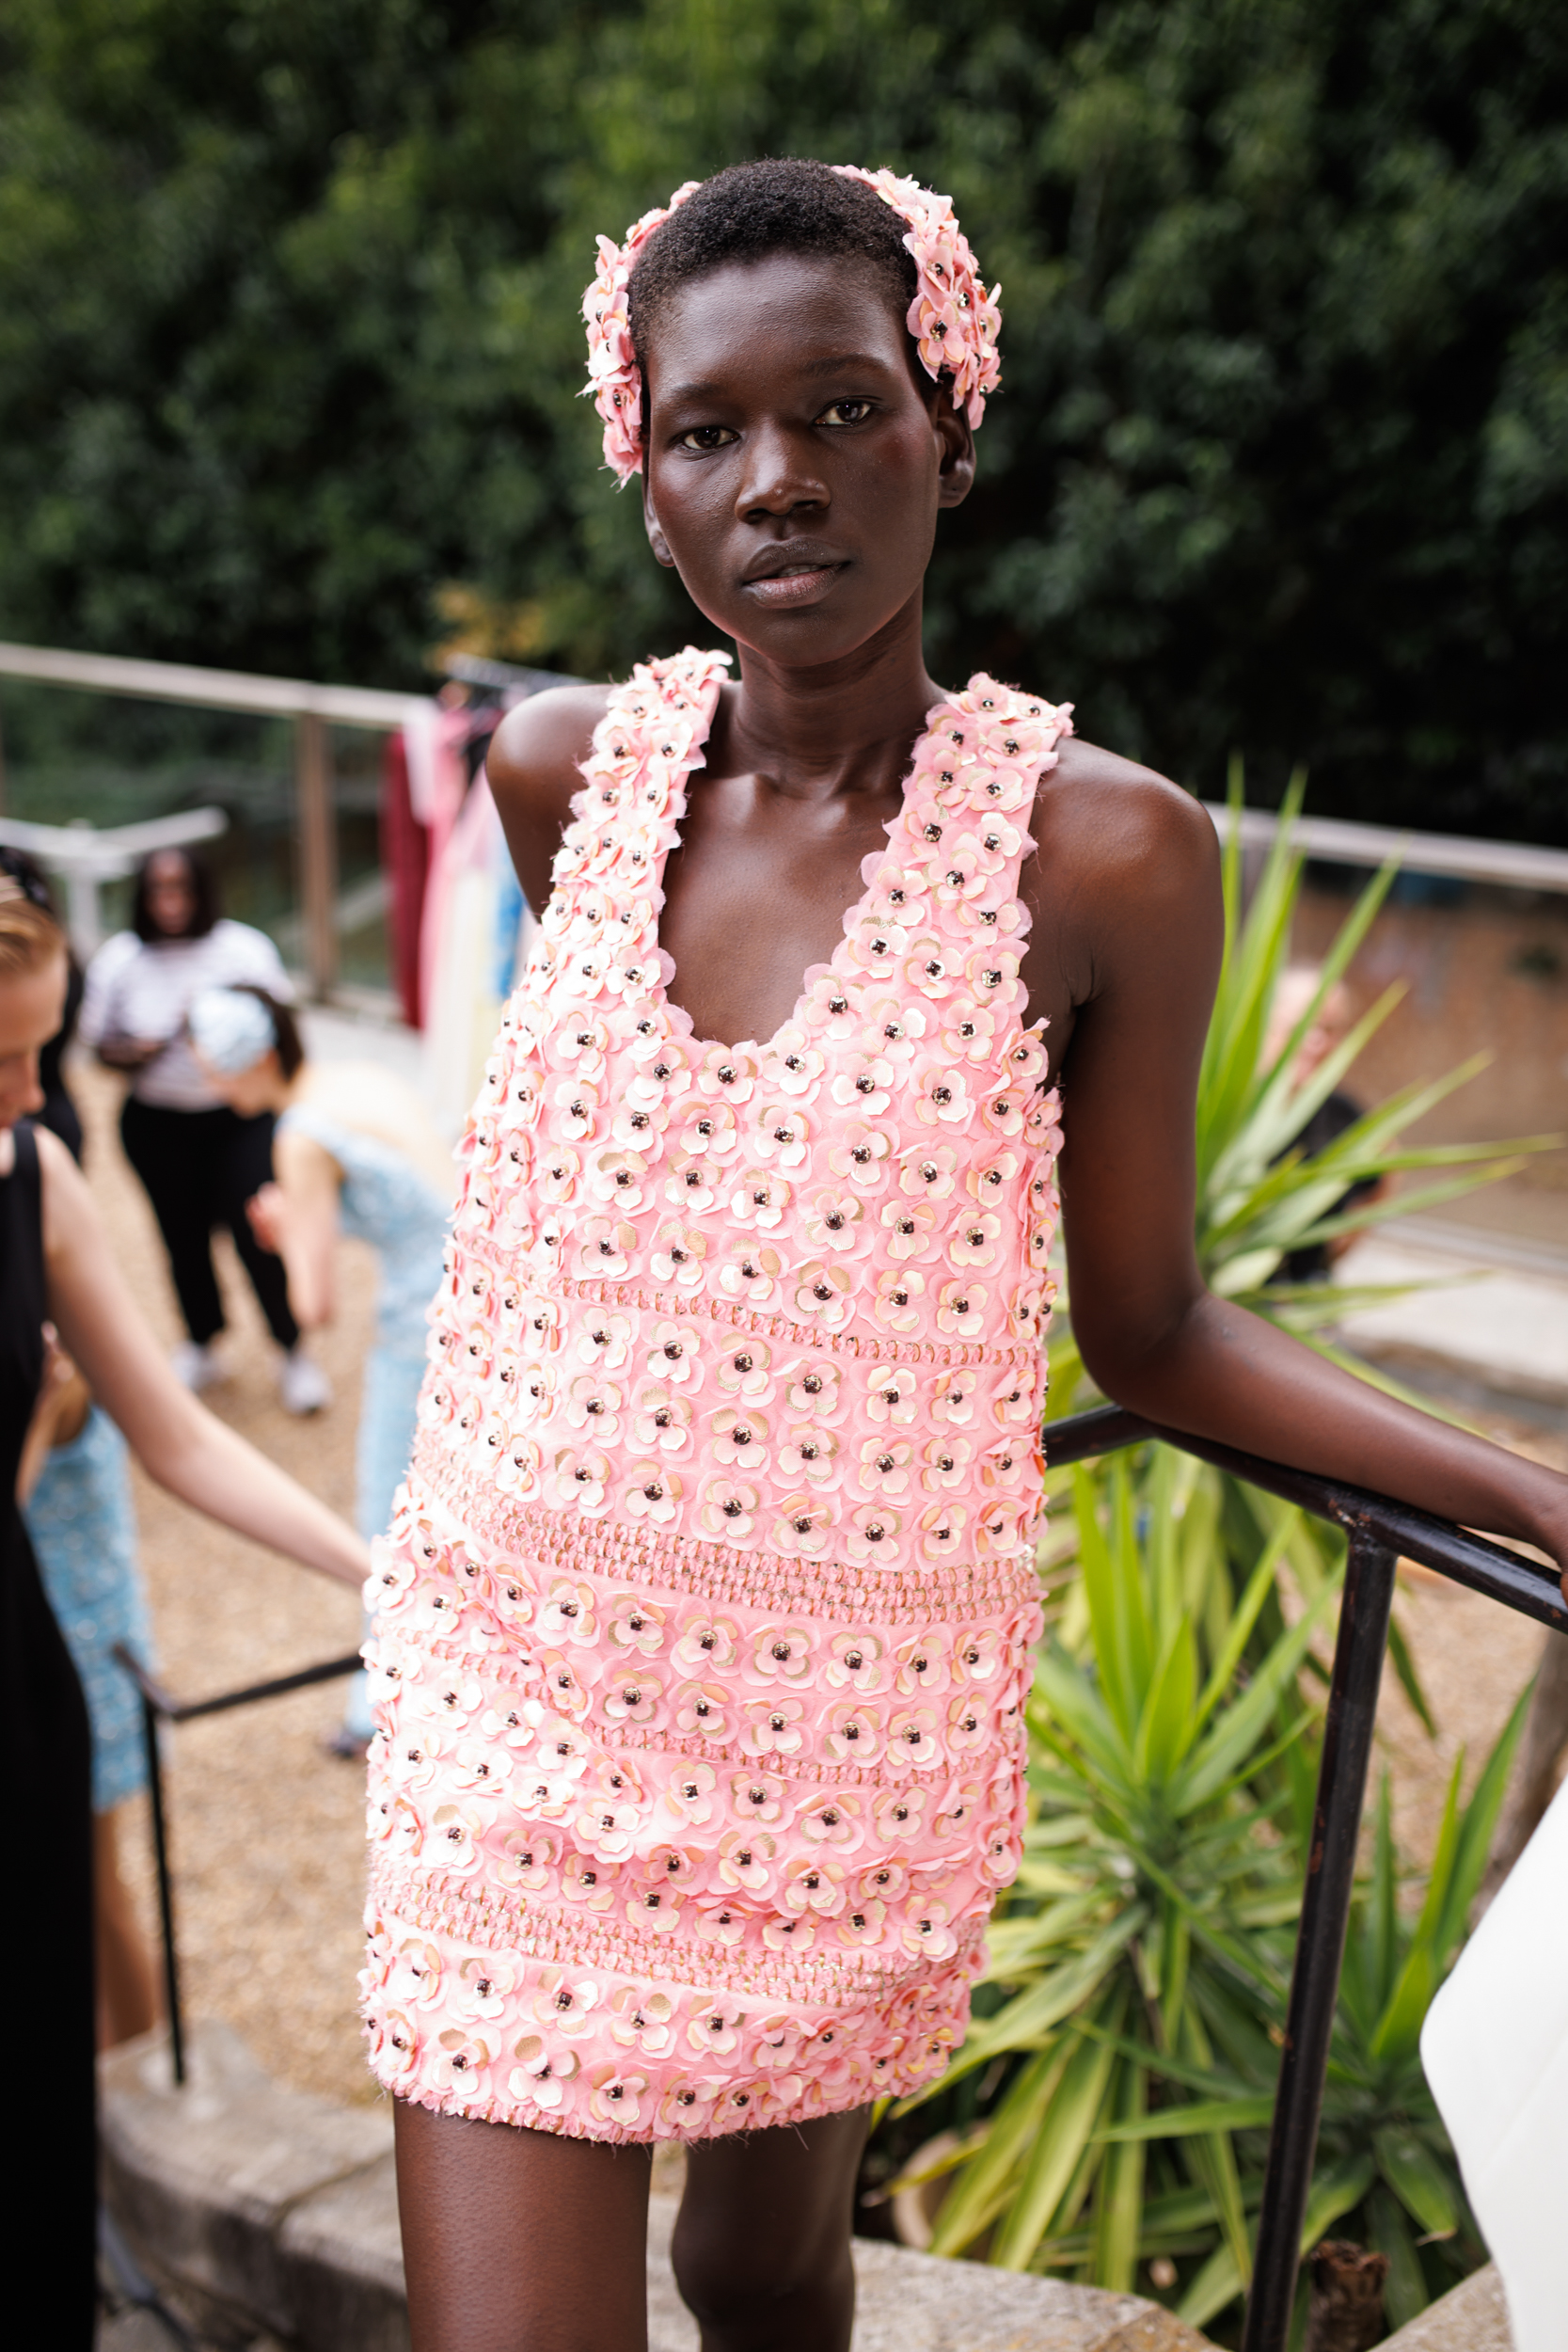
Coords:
289,349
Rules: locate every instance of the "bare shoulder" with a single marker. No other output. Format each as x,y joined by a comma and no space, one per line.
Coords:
63,1189
1107,825
532,765
536,748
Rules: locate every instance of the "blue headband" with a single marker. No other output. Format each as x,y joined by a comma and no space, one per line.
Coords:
230,1029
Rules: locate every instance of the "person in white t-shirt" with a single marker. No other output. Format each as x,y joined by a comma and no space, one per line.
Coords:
199,1161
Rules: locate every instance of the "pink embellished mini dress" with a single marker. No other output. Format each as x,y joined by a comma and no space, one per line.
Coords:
705,1625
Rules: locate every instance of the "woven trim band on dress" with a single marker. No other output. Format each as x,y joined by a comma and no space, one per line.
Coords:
954,321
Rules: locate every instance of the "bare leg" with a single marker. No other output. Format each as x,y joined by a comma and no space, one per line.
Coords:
519,2241
127,2000
762,2245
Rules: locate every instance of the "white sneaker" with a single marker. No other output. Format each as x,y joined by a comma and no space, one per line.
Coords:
303,1385
195,1366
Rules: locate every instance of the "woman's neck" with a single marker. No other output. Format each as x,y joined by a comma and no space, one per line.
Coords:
844,727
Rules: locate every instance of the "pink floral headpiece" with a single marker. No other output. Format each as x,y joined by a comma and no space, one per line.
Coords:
954,321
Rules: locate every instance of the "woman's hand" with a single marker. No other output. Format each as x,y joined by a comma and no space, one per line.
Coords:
130,1053
267,1211
60,1415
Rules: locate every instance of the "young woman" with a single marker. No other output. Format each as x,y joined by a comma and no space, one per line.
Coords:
55,1266
706,1630
198,1161
75,1492
354,1153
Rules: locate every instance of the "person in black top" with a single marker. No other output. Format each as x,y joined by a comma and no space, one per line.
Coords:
56,1266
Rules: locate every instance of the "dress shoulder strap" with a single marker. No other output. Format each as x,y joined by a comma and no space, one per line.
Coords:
602,918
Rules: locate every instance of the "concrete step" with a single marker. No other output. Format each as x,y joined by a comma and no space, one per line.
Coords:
1473,2318
1469,1321
263,2208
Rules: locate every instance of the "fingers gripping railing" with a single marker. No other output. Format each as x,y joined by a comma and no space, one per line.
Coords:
157,1706
1380,1533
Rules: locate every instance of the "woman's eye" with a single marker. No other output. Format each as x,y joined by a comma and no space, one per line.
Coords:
845,412
705,436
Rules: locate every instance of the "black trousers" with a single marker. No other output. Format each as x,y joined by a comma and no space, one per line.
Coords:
199,1168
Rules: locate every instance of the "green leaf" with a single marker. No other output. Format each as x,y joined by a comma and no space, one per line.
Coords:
1062,2137
1410,1681
1122,2184
1243,1725
1477,1829
1418,2181
1201,2116
1026,2020
1405,2292
1400,2026
1168,1725
1260,1585
1333,2192
981,2187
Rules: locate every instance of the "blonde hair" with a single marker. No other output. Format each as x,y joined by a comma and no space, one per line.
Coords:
29,935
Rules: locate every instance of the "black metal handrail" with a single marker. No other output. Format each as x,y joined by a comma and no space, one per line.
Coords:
1380,1533
158,1705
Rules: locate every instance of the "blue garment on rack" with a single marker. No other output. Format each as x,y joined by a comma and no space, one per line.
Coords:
83,1526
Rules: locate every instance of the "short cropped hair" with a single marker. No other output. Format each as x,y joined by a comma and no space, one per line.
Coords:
204,891
781,205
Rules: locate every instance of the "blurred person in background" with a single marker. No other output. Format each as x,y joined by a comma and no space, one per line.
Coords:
56,1266
1297,986
75,1492
354,1153
198,1160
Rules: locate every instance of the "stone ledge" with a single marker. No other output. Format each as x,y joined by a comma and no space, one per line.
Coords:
1472,2317
275,2209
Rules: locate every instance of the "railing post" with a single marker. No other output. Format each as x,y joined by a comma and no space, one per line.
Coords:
318,850
166,1886
1321,1940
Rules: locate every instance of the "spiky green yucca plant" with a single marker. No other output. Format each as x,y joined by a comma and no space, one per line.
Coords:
1140,1970
1109,2107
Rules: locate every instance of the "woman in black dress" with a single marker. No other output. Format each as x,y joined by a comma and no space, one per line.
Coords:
55,1263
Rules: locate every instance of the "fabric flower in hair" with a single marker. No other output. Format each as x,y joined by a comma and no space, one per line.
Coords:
954,321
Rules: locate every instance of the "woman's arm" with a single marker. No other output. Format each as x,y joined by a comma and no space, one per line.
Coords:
1152,1336
176,1439
533,770
298,1217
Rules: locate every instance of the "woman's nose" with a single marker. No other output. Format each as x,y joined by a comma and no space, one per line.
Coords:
779,475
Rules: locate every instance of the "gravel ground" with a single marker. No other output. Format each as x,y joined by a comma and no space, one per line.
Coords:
267,1828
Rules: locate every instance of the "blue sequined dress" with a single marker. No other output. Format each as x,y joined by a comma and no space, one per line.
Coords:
82,1522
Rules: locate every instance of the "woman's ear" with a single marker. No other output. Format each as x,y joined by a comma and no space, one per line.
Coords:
657,540
955,435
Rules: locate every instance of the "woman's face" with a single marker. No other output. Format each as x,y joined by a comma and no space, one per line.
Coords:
32,1005
258,1088
170,899
795,463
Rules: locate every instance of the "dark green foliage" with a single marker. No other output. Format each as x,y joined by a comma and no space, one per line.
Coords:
289,340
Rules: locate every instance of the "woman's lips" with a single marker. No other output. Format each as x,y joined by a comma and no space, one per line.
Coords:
787,588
